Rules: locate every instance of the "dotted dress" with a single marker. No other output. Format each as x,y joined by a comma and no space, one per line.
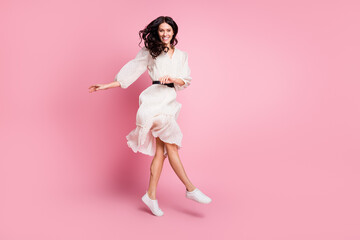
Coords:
158,108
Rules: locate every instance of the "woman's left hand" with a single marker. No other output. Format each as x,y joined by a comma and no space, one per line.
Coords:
166,79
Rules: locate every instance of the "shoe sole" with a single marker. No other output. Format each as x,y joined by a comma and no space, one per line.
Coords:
198,201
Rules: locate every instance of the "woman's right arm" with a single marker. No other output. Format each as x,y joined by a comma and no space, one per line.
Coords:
129,73
102,86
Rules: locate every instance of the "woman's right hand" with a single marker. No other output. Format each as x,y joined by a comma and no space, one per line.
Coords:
97,87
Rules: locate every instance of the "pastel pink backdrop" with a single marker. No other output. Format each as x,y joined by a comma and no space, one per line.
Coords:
270,122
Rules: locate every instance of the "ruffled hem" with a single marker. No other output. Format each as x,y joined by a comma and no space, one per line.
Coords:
164,126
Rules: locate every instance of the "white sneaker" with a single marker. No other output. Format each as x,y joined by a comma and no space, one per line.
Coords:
198,196
152,204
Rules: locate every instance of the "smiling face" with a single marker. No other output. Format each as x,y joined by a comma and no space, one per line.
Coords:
165,33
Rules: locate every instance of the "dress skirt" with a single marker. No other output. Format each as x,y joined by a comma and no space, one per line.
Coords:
156,117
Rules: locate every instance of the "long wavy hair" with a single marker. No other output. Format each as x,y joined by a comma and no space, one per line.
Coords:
151,37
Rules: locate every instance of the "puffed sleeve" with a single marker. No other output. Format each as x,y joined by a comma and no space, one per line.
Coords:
184,74
133,69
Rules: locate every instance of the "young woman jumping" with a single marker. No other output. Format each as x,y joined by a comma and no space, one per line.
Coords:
157,132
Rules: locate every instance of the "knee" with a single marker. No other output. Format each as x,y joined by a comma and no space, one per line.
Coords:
159,156
171,147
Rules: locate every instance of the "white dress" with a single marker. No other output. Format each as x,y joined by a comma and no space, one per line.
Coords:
158,108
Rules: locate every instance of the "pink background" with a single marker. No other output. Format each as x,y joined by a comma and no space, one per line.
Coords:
270,122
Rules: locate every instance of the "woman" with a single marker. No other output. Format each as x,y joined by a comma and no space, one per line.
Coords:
157,132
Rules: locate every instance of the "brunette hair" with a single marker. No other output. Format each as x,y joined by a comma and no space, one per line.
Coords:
151,37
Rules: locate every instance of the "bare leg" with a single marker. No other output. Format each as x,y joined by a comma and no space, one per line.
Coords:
155,168
177,166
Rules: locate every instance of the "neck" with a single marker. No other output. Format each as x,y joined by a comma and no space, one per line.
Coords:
169,46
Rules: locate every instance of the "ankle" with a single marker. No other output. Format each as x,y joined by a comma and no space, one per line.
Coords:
190,189
151,195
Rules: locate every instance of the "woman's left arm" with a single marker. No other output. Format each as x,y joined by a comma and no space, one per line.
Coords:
184,79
